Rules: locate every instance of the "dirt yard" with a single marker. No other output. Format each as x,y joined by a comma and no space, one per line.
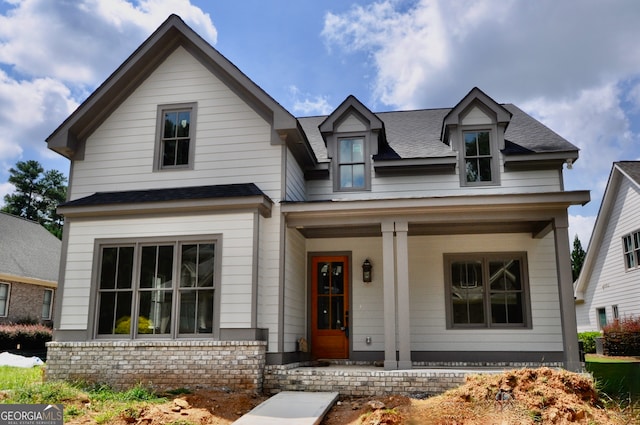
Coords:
529,396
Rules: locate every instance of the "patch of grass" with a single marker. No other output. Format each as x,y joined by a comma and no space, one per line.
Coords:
17,377
27,386
594,358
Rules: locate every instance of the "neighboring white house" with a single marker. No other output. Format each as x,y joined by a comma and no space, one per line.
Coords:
609,284
209,229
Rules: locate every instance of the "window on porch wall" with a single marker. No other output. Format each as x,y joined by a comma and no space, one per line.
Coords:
486,291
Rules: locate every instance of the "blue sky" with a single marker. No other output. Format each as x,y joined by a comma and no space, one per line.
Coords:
574,65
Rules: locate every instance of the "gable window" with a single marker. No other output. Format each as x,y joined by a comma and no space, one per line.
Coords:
164,289
4,299
487,290
478,158
351,163
47,304
176,136
631,250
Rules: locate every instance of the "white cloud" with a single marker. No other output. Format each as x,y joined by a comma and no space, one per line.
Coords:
84,41
5,189
53,54
582,227
306,104
29,111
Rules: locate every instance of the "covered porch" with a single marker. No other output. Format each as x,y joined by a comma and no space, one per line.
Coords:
395,222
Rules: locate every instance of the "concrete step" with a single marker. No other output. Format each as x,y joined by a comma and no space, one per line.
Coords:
289,408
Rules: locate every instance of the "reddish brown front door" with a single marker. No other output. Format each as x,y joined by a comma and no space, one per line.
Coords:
330,307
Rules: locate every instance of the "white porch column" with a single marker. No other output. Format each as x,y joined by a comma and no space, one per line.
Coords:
565,290
389,306
402,273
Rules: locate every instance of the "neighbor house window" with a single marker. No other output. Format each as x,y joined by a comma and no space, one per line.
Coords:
176,136
478,159
615,312
631,250
47,304
602,317
351,164
487,290
157,289
4,299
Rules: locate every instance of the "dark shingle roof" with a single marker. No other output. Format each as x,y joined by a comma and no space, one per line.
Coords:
631,168
172,194
416,134
27,249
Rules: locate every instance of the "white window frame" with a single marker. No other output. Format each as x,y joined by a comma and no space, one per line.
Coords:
366,164
159,140
492,156
49,307
6,300
631,250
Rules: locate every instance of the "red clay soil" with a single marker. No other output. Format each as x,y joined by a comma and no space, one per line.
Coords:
533,396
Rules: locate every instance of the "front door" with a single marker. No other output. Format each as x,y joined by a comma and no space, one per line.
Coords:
330,307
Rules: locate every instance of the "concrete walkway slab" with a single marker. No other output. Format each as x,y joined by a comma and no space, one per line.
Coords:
289,408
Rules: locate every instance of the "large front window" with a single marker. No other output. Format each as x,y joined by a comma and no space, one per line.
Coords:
477,157
486,290
351,164
163,289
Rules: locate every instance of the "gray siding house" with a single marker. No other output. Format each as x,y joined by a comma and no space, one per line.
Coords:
29,264
208,229
607,288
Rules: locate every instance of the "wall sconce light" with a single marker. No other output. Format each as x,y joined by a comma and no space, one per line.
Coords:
366,271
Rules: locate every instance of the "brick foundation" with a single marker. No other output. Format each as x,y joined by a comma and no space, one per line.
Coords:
160,365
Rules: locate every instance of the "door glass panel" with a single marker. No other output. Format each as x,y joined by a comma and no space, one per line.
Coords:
324,278
331,295
337,321
324,312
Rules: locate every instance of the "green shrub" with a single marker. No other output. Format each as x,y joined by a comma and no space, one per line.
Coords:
622,337
588,340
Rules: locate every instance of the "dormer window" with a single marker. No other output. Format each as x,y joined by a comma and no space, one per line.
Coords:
478,157
351,133
475,129
351,164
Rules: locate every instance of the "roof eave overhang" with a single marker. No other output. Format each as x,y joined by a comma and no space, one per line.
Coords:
262,204
540,160
413,165
7,277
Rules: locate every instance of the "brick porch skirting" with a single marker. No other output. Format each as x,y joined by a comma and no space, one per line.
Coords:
160,365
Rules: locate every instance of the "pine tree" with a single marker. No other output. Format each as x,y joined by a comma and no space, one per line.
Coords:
577,258
37,194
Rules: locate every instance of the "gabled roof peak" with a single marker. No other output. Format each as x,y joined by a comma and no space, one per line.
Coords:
351,103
